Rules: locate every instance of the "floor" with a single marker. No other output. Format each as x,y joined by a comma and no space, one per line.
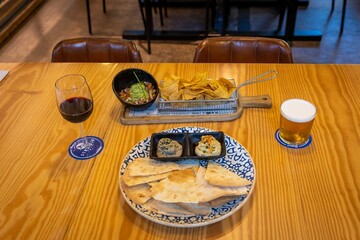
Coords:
56,20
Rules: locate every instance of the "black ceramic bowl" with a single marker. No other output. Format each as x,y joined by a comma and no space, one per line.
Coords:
179,137
126,78
188,142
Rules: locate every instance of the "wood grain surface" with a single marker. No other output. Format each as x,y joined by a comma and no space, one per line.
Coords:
310,193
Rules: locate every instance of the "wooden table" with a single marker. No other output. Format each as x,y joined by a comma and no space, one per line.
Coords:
310,193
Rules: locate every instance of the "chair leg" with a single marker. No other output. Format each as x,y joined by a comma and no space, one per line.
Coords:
149,27
141,6
88,16
154,5
281,19
225,13
213,13
161,12
104,6
332,6
164,3
207,17
343,17
282,7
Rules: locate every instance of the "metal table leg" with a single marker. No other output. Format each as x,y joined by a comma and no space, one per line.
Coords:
290,33
104,6
343,17
149,23
88,16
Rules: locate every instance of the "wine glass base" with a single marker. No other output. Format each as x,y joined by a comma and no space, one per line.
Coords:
282,142
82,149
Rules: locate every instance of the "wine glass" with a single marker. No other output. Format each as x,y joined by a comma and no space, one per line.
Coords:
75,103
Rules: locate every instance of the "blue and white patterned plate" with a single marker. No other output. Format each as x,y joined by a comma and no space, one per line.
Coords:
237,159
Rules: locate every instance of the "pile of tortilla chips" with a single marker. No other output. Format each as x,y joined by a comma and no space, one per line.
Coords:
200,87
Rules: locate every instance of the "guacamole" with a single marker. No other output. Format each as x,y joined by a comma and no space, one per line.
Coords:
138,91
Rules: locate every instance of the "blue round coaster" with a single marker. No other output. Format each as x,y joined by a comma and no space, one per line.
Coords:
282,142
82,151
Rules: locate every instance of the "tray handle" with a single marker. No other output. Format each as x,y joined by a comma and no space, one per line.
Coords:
261,101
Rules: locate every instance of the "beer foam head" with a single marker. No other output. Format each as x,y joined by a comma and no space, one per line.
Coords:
298,110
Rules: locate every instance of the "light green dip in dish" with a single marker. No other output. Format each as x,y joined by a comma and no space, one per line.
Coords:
138,92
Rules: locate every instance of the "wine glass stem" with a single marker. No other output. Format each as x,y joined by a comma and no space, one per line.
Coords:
82,133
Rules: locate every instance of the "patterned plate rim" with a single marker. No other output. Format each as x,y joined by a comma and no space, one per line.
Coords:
235,205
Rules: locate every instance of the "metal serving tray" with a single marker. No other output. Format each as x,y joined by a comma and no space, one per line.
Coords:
200,105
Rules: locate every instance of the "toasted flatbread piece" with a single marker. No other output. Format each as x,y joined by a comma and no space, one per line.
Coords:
197,208
218,175
146,166
171,209
139,194
136,180
208,192
179,186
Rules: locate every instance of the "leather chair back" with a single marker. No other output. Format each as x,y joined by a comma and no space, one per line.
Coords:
243,50
96,50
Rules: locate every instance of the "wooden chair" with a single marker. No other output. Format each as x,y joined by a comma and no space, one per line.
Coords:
96,50
243,50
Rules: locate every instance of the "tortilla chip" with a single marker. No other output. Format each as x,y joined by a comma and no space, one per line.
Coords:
222,92
226,82
169,86
199,87
175,95
189,94
200,78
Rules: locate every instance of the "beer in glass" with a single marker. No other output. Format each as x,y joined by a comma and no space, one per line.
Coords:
296,120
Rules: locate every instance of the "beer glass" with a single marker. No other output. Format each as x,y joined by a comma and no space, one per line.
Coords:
296,120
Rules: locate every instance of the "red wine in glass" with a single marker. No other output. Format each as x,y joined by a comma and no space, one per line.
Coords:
76,109
75,104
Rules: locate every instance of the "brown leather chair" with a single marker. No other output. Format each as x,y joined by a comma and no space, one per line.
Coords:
96,50
243,50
